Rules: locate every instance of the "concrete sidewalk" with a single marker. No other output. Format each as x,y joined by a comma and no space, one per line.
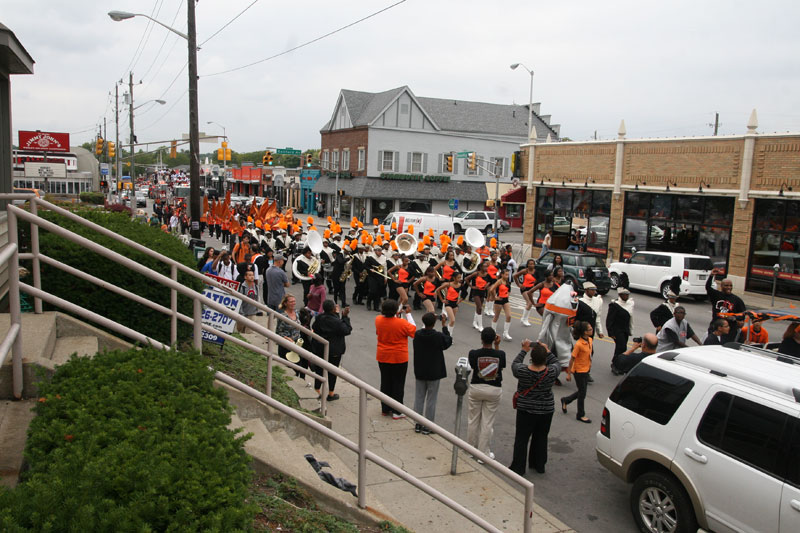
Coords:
428,458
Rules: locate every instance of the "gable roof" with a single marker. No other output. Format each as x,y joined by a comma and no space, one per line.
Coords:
448,114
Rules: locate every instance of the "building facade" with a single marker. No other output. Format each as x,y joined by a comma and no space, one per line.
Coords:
733,198
384,152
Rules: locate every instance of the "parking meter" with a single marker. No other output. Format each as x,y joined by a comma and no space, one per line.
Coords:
461,385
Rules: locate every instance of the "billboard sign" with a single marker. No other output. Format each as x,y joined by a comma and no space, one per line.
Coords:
43,141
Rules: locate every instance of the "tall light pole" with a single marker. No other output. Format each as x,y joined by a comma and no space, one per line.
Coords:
224,158
530,99
194,125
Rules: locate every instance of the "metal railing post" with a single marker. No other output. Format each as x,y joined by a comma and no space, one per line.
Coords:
270,350
13,305
37,273
173,329
527,520
197,340
362,448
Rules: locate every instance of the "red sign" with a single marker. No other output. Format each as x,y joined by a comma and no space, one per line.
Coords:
43,141
225,281
768,272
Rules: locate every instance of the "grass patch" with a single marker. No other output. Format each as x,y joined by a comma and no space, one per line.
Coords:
250,368
285,506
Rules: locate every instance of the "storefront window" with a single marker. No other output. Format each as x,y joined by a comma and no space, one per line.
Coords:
381,207
690,208
661,206
513,210
572,211
545,198
582,202
563,200
544,222
601,202
416,206
637,204
779,245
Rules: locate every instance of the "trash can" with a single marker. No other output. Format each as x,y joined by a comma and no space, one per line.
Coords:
199,247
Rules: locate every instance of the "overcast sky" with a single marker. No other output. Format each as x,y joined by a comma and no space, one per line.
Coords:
663,67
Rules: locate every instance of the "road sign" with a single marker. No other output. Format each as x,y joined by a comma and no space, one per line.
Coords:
453,203
462,155
288,151
104,169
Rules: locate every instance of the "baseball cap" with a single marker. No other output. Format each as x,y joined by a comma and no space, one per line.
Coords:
279,257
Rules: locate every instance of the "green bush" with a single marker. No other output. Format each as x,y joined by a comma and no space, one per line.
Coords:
95,198
132,441
101,301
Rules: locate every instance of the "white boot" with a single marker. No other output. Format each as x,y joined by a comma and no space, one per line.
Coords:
506,336
477,322
451,330
487,309
525,314
491,310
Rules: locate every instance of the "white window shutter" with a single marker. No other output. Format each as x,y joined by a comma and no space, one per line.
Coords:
425,163
396,166
441,163
478,165
380,161
408,163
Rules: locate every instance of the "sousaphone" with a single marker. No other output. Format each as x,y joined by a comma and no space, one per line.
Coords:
314,243
406,244
475,239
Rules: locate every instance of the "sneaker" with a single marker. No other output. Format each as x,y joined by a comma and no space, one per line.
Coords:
426,430
616,371
417,428
507,337
398,416
333,397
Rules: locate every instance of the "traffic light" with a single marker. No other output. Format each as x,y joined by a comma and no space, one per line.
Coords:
224,153
267,159
98,146
449,162
103,184
308,160
173,149
516,164
112,149
340,192
472,162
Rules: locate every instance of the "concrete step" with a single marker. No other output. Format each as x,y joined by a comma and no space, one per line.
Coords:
83,346
15,417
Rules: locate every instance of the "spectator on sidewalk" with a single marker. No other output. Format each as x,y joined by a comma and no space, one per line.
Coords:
535,405
330,327
429,367
316,295
485,390
249,289
277,281
392,352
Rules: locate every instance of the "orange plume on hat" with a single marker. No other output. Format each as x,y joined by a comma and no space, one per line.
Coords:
258,223
411,229
387,235
394,225
312,228
267,227
393,244
493,242
327,234
379,241
353,244
430,232
310,220
426,240
444,247
330,220
374,221
460,240
420,246
380,229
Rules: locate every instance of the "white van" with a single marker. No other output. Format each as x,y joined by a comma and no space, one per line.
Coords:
421,222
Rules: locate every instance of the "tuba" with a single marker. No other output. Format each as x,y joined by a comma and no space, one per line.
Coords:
314,242
475,239
406,244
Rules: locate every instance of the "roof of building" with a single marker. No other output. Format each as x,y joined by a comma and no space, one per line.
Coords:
13,55
363,187
449,114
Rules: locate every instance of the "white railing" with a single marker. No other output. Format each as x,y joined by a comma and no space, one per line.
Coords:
10,255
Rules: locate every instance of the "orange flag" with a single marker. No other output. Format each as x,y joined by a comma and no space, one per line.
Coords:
205,205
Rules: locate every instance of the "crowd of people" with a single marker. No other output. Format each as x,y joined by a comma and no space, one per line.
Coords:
368,268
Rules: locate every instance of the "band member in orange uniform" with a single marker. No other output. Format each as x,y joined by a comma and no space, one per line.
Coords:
448,292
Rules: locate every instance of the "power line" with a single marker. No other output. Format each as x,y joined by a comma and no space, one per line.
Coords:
178,99
149,22
149,33
306,43
229,22
166,36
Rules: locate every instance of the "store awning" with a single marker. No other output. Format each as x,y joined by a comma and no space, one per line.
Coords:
490,189
514,196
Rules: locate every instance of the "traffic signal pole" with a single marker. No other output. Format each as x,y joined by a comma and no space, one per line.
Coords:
117,162
194,128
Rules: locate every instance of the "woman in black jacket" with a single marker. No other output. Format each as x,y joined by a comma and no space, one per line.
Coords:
429,366
330,327
535,405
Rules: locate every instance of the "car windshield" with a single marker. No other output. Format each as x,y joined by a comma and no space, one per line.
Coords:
461,214
697,263
592,261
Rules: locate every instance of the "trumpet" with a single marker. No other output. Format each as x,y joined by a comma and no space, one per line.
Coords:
380,272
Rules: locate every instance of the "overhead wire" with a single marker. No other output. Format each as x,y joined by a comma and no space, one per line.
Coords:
178,99
163,42
229,22
149,33
149,23
306,43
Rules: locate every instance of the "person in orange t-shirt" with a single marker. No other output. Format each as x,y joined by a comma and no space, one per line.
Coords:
392,354
758,335
580,364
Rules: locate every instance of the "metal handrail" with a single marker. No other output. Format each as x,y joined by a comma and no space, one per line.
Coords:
198,301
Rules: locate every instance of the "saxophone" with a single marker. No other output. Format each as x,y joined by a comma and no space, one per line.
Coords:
363,276
347,271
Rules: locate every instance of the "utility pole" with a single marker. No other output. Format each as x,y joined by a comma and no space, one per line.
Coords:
117,161
132,197
716,123
194,129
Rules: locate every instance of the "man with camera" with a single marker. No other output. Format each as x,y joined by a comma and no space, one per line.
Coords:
628,359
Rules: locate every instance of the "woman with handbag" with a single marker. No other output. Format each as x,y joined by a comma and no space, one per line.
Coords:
534,404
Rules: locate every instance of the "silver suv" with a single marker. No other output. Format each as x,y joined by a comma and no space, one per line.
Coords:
708,436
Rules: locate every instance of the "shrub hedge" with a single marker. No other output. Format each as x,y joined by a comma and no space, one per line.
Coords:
132,441
95,198
107,304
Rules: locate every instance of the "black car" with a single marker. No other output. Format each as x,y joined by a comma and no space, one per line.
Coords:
579,267
212,193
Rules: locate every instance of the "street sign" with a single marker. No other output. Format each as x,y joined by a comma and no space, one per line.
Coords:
453,203
462,155
288,151
104,169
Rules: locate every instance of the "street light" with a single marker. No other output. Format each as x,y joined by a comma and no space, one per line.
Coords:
530,100
156,100
194,124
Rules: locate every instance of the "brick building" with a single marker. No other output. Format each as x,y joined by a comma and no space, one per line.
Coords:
388,151
735,198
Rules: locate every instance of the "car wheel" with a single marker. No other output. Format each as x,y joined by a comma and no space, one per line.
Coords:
664,289
500,228
614,280
660,505
602,292
457,228
699,297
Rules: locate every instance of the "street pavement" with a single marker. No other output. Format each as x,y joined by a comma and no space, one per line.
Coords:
575,488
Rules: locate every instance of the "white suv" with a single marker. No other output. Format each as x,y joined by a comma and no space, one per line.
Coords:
652,271
483,220
710,437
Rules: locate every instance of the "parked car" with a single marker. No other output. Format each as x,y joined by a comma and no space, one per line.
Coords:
652,271
38,193
577,268
212,193
483,220
141,199
708,436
